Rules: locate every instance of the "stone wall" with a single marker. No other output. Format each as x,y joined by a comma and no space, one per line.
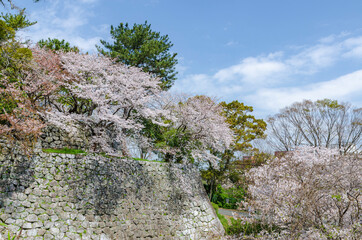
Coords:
54,137
59,196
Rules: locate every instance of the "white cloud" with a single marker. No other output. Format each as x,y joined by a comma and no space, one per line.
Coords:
89,1
313,59
354,46
275,68
334,37
181,68
345,87
251,70
195,84
85,44
63,20
231,43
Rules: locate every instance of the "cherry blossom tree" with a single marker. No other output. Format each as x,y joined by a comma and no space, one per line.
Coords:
310,191
195,127
78,92
104,97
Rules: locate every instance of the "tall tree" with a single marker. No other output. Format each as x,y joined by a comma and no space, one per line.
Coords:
244,125
323,123
141,47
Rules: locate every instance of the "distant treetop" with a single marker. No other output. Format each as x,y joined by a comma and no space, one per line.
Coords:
56,44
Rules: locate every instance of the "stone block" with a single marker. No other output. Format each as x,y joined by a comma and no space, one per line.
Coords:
48,225
54,231
43,217
48,236
27,226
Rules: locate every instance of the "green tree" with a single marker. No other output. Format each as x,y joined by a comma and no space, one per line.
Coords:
10,23
56,44
246,128
13,55
141,47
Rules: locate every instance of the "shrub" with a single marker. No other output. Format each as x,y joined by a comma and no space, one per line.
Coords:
241,227
234,196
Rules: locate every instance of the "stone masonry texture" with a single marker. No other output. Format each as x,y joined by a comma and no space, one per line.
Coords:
64,196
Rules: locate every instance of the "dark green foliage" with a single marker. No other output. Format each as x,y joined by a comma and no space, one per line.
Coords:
167,137
141,47
175,138
56,44
16,110
17,21
228,198
75,104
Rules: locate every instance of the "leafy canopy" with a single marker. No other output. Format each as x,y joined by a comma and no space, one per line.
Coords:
244,125
141,47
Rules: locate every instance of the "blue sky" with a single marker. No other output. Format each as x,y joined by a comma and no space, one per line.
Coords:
267,54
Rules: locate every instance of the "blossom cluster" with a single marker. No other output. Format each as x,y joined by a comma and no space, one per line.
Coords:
312,191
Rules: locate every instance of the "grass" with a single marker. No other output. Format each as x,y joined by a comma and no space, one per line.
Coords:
9,235
146,160
79,151
64,151
221,217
